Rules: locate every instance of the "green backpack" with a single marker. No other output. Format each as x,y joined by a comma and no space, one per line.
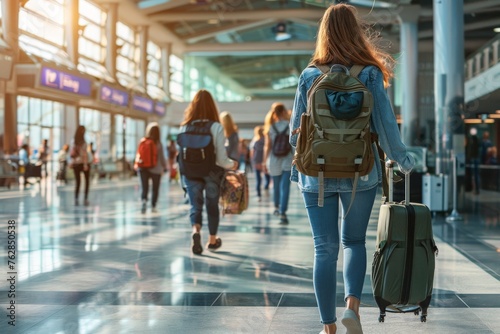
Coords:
334,138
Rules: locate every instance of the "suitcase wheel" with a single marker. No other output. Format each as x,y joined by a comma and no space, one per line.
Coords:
423,318
417,312
381,318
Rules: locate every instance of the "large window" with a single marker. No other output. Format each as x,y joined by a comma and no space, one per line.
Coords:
43,19
154,78
92,41
41,30
127,62
176,78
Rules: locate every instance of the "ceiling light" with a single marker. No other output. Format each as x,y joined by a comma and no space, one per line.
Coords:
497,29
213,21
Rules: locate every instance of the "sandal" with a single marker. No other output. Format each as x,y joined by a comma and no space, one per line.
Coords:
197,249
213,247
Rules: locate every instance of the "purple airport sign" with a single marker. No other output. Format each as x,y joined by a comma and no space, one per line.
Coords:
142,104
114,96
60,80
160,108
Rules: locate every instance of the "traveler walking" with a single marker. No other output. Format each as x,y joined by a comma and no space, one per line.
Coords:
278,156
202,168
150,163
80,163
257,159
231,134
62,158
43,157
342,39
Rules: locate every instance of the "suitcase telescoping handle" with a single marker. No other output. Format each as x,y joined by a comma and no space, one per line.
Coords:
390,166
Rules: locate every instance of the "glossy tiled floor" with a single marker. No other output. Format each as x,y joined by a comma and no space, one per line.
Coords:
107,268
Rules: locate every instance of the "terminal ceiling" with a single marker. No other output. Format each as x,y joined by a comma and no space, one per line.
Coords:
239,36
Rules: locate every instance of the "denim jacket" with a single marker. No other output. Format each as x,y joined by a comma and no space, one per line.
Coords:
383,122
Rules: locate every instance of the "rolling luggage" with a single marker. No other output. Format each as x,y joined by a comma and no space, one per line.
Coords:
403,264
34,170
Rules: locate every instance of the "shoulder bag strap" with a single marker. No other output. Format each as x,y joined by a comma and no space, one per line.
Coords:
355,70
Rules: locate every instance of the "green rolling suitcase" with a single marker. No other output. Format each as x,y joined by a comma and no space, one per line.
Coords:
404,259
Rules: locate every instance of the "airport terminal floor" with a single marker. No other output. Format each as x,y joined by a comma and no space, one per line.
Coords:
107,268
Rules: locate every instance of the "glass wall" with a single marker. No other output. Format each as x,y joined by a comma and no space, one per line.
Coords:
38,120
200,74
134,130
98,131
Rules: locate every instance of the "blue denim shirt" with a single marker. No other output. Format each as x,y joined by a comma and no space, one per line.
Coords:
383,122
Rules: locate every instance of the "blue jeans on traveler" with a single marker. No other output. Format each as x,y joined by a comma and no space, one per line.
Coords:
258,179
325,231
281,188
204,191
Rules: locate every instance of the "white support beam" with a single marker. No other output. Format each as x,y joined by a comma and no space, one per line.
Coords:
312,14
263,48
225,29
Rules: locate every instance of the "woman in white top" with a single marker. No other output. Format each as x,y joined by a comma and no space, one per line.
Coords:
205,190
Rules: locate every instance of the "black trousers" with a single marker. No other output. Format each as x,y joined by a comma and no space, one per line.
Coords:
145,175
78,169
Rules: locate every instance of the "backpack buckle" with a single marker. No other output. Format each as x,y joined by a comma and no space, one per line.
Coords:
320,131
320,160
358,161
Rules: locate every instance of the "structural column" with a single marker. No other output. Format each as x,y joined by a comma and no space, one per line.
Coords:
448,80
143,60
72,29
111,51
165,68
10,28
408,18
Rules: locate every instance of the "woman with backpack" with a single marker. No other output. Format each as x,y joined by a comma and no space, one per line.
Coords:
204,190
342,39
79,161
150,164
278,157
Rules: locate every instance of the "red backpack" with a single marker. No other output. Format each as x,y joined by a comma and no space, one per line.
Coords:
147,154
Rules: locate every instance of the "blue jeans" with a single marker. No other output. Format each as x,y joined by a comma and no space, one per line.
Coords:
325,231
258,179
201,191
281,188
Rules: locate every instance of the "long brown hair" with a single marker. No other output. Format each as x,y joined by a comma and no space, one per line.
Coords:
153,132
344,39
278,111
228,123
201,107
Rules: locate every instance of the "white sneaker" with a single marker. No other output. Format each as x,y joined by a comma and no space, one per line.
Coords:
351,321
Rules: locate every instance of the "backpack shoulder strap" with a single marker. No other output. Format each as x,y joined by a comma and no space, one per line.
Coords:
323,68
355,70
